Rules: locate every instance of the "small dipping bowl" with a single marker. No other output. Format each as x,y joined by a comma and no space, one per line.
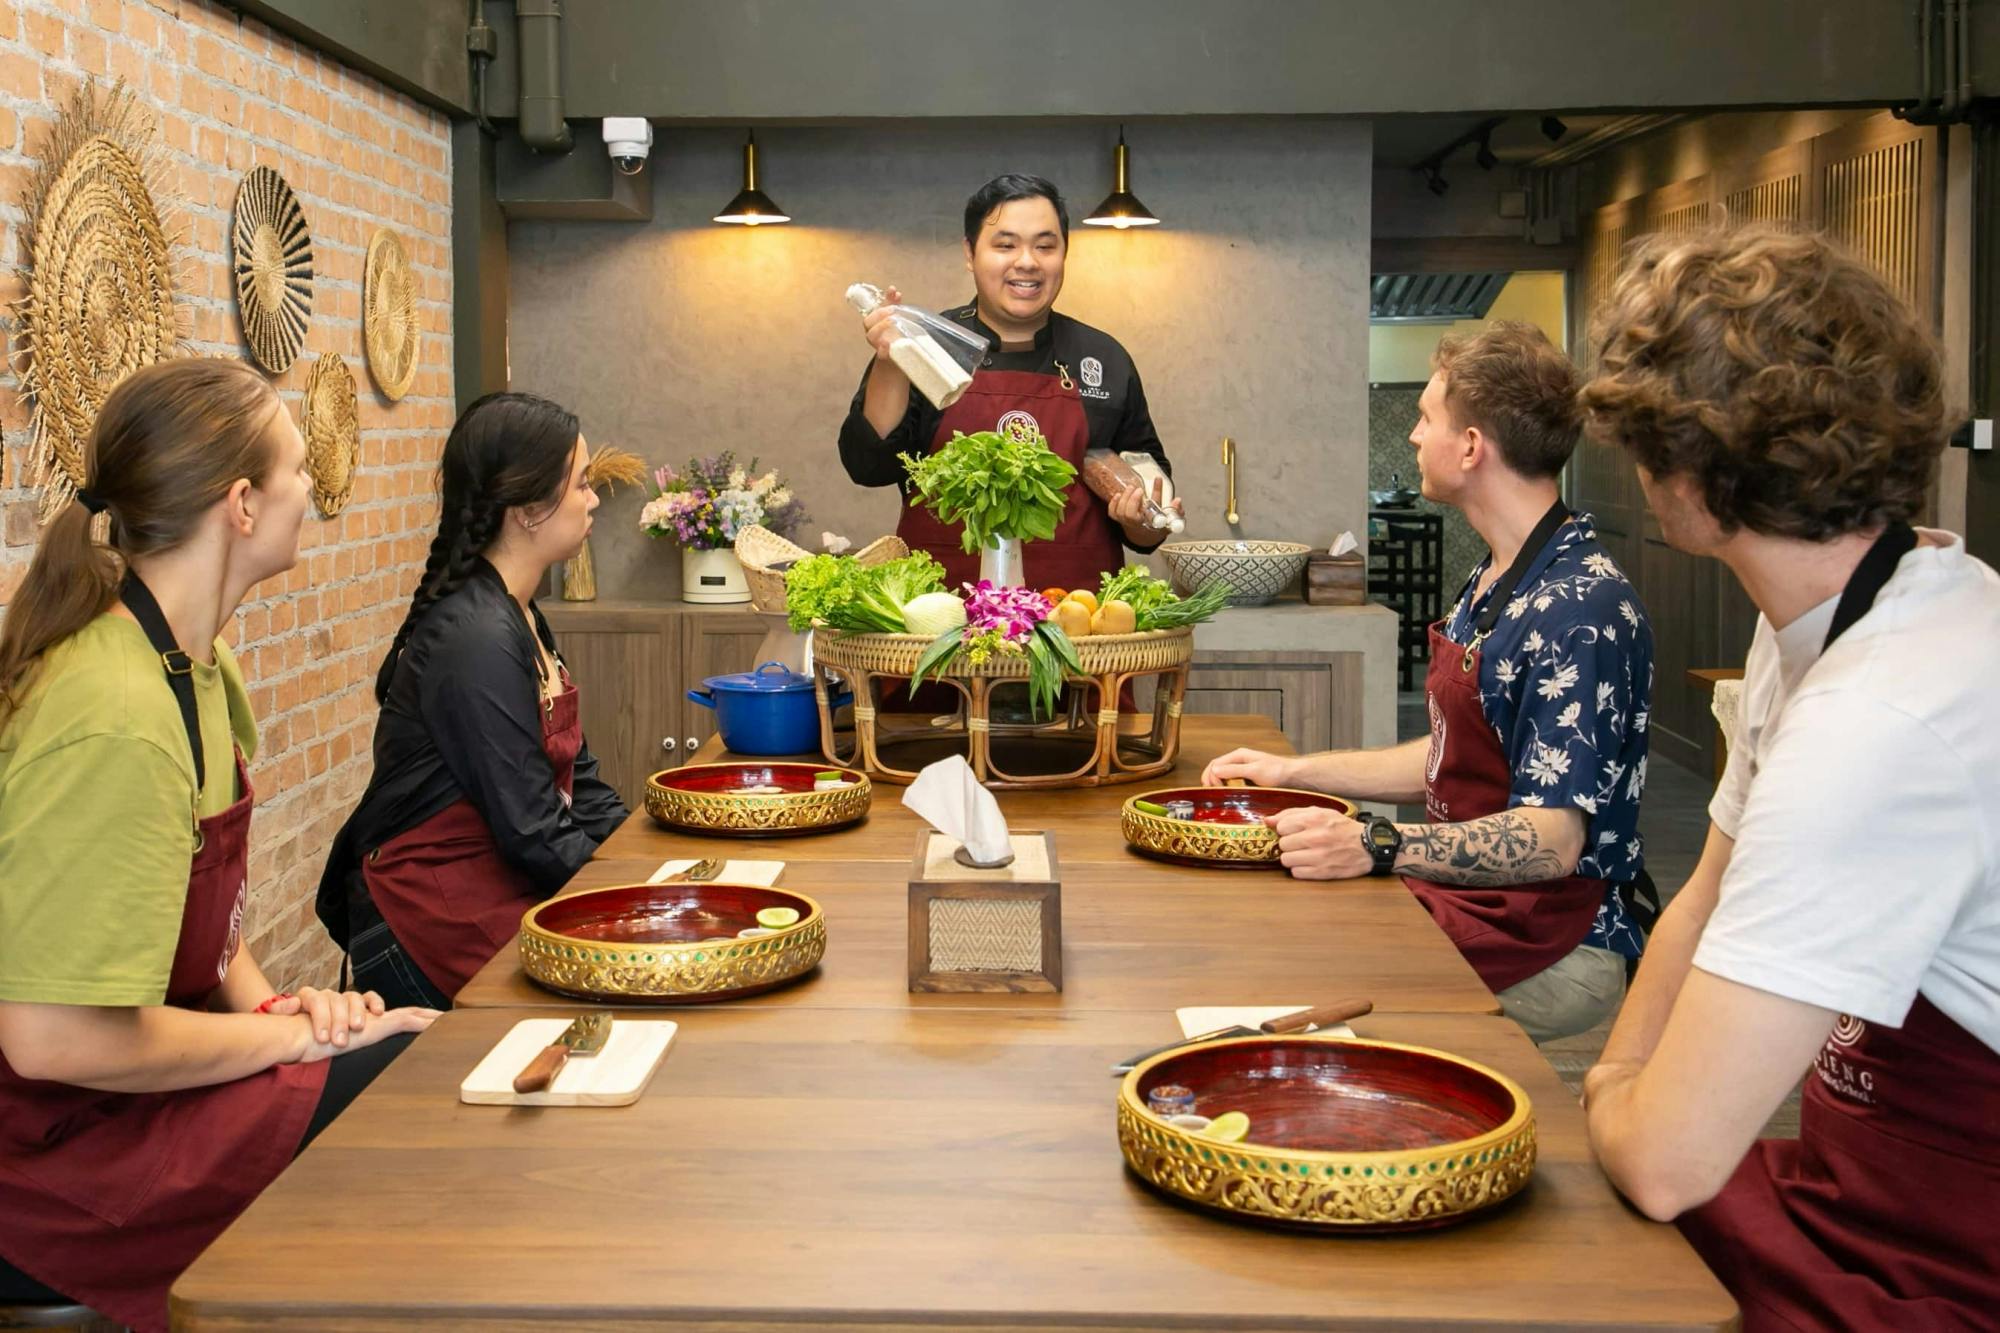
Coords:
1170,1099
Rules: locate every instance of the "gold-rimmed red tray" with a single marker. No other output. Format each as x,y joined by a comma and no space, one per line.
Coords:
712,799
1346,1136
674,943
1227,829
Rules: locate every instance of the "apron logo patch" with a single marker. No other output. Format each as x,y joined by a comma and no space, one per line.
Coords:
1020,427
1848,1030
1093,372
235,940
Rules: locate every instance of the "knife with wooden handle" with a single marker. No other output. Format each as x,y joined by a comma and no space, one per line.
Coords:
1305,1020
584,1036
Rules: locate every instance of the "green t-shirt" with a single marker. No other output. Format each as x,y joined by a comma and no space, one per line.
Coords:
97,803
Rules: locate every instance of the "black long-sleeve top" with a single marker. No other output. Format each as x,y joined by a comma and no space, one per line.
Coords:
1114,401
463,721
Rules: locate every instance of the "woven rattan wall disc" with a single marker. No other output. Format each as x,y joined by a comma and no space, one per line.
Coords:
273,261
389,323
98,277
331,423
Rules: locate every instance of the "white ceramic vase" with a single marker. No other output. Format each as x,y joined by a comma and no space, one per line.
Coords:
712,578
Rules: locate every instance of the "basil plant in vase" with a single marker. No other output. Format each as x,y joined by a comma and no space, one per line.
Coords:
1004,489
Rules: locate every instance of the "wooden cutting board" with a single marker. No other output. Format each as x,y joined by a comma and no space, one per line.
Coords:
615,1076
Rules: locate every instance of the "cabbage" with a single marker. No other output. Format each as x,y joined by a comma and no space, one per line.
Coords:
933,613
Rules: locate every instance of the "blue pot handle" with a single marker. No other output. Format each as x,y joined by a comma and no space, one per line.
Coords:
702,697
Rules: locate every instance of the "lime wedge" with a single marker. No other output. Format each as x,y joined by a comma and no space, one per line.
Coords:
1149,807
779,917
828,776
1229,1127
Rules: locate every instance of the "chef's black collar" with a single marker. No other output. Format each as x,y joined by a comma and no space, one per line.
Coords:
1044,336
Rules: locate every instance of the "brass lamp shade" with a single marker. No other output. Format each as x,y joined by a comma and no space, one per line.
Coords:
751,207
1121,208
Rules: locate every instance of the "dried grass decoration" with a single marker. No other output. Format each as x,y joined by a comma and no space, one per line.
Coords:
274,268
389,315
608,468
331,423
98,276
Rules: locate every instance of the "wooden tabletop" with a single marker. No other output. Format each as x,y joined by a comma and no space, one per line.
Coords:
885,1169
1138,933
1143,936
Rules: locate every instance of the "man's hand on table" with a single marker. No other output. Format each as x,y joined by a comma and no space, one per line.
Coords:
1252,766
1316,843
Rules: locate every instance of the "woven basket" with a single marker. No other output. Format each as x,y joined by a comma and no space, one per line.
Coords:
1100,654
331,423
273,263
389,325
98,274
758,548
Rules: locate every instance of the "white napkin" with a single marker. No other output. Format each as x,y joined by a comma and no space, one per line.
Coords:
733,872
1344,544
949,798
1209,1018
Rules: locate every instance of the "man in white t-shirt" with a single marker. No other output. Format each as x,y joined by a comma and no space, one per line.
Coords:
1785,410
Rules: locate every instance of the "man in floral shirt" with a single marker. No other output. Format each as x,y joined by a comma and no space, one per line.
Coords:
1539,691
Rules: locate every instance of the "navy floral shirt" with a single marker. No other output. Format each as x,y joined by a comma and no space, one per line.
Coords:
1566,680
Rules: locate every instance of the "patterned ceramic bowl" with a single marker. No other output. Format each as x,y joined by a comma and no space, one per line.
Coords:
681,943
738,800
1227,827
1255,571
1345,1136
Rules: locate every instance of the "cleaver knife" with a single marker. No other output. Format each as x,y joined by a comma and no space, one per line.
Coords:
1305,1020
584,1036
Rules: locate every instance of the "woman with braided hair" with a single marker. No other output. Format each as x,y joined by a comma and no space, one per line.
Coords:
151,1084
484,799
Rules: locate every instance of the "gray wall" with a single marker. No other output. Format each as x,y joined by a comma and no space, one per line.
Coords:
1246,311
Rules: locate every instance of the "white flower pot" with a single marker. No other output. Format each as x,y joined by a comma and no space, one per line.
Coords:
712,578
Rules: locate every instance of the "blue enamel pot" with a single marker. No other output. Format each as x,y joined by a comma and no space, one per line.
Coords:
768,711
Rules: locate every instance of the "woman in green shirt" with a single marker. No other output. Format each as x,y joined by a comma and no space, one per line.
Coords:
151,1082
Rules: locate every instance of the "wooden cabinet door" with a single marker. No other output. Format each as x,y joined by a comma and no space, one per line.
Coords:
713,643
622,662
1296,696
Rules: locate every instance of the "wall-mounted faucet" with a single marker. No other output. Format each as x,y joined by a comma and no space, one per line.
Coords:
1229,467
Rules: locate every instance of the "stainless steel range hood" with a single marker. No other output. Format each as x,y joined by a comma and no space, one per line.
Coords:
1432,298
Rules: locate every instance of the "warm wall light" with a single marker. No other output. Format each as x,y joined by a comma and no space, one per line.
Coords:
751,207
1121,209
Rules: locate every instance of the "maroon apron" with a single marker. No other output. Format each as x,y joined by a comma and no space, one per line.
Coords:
449,897
1885,1212
108,1196
1087,544
1508,932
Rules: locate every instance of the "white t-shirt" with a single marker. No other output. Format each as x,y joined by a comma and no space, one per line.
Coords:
1864,799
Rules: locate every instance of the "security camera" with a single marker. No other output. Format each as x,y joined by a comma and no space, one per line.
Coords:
629,140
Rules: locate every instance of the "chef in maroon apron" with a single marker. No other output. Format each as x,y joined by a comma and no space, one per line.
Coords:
484,798
1044,374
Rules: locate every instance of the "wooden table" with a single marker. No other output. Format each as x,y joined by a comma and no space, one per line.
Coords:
1138,934
885,1169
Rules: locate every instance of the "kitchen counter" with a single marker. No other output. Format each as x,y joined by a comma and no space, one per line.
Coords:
1288,627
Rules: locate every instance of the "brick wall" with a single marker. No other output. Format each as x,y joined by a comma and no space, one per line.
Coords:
230,94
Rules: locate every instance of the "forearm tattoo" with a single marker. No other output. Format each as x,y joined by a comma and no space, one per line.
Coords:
1500,849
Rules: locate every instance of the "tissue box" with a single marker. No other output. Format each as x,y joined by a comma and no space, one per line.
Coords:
1336,580
986,930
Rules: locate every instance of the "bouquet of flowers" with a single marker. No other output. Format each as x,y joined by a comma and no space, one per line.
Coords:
705,504
1007,620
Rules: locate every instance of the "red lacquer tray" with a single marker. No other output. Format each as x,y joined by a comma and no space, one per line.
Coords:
710,798
1345,1135
1228,827
669,943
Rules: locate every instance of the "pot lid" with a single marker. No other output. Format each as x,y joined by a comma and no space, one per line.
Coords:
770,678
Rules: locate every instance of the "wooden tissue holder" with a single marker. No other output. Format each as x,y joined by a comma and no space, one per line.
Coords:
986,931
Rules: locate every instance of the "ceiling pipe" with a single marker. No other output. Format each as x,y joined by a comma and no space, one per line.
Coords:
538,30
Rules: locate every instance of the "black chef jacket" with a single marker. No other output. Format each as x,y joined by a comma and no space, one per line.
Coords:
463,720
1114,405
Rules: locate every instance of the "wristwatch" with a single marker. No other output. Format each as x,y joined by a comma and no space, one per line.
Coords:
1383,840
